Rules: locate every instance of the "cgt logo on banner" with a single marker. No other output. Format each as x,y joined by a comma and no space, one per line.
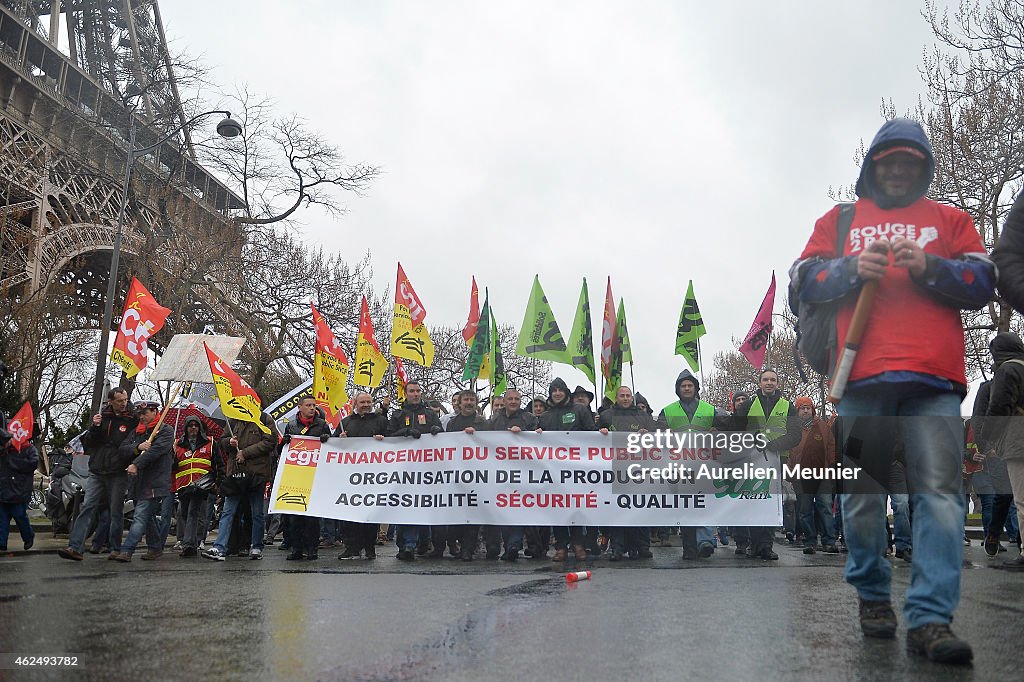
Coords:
294,485
505,478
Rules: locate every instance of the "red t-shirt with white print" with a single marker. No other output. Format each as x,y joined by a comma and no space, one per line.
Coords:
908,330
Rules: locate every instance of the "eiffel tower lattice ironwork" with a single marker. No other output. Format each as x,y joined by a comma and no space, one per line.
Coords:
73,74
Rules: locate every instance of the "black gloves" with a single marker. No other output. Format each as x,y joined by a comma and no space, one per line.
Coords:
286,438
435,430
324,437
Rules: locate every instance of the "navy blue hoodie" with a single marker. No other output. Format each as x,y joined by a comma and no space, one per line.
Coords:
898,132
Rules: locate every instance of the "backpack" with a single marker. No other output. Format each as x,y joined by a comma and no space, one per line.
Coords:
816,335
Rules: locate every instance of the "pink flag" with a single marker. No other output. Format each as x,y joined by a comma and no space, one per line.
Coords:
755,344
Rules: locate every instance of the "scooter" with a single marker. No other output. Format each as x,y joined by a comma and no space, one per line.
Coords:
66,493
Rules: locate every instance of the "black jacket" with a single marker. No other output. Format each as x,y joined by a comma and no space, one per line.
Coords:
794,427
1009,256
155,464
363,425
460,422
102,443
523,419
318,428
628,419
1003,425
16,472
414,420
565,415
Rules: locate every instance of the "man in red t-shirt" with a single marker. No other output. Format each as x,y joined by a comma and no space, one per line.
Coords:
908,379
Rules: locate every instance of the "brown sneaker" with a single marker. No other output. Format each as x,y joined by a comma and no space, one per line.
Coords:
581,554
152,555
124,557
877,619
939,644
560,555
68,553
113,555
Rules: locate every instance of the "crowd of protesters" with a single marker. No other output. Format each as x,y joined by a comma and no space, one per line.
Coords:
895,266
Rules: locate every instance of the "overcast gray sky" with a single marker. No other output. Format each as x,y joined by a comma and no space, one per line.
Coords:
654,142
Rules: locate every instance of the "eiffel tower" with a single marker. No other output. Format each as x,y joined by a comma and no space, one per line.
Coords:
73,74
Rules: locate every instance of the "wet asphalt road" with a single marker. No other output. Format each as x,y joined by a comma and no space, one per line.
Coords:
723,618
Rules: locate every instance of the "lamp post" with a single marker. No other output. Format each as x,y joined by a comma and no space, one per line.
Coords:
228,127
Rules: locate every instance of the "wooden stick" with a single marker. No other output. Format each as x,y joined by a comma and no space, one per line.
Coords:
865,302
163,415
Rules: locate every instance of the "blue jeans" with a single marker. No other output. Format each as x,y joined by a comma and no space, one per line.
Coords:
18,512
166,512
814,511
902,536
330,530
408,537
227,515
101,490
932,435
144,521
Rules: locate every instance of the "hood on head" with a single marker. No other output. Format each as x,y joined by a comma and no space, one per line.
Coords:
559,383
898,132
687,374
1006,346
192,418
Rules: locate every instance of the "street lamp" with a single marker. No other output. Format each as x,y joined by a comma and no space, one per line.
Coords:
228,127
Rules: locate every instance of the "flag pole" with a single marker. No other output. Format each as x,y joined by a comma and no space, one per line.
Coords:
533,380
632,380
167,408
700,365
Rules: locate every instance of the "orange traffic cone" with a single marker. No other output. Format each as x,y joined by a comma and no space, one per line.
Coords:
576,576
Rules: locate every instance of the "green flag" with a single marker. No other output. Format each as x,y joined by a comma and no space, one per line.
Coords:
481,347
627,354
691,328
580,351
540,337
499,380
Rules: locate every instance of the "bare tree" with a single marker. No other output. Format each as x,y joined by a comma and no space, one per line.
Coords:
973,113
280,164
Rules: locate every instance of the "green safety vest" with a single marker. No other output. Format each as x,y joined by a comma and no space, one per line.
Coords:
703,417
775,425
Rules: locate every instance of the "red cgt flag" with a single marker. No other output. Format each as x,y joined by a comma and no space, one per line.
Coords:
609,333
473,319
142,318
21,427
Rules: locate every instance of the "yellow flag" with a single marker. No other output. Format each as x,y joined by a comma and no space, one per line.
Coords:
238,400
409,337
371,365
330,371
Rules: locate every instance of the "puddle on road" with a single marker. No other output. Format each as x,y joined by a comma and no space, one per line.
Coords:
461,642
83,576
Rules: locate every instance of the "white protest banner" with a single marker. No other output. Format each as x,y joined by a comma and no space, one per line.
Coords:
505,478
